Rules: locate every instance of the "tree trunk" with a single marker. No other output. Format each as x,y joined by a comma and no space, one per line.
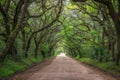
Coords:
118,48
116,21
113,49
36,51
13,51
80,55
10,49
43,54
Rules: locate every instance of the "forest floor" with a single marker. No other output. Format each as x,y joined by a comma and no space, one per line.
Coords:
61,68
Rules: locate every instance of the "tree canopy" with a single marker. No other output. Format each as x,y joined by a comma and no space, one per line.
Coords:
80,28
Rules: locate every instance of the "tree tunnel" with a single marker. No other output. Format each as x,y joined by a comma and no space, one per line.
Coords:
80,28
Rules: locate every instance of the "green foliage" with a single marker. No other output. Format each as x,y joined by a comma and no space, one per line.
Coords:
2,44
106,66
45,48
88,60
9,67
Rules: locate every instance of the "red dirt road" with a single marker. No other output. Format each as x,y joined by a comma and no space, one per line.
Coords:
65,68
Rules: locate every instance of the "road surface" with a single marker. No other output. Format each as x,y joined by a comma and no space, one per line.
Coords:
65,68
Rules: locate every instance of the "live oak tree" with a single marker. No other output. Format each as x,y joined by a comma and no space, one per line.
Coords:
114,13
17,16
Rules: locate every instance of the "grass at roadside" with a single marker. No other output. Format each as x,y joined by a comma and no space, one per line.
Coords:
10,67
106,66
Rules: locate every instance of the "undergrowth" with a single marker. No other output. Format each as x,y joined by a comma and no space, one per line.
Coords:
106,66
10,67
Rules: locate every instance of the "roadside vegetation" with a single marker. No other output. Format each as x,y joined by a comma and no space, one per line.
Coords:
109,67
10,67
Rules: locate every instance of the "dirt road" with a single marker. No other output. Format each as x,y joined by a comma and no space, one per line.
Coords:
62,68
65,68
